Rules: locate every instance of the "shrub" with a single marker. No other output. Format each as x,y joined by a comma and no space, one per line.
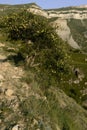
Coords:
41,47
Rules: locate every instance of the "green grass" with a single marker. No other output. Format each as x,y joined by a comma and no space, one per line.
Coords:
78,59
74,90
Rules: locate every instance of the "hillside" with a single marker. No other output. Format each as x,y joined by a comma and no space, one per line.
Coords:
43,80
74,21
75,18
26,106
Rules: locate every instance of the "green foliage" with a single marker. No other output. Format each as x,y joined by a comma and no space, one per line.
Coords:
25,26
40,45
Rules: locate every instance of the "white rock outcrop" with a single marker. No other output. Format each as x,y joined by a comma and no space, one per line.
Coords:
74,13
64,32
38,11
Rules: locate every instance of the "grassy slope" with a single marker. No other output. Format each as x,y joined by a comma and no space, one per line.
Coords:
77,30
53,108
79,61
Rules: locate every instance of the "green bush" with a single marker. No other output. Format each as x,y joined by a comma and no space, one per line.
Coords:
40,45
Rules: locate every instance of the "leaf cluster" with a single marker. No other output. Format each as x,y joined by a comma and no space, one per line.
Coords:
41,47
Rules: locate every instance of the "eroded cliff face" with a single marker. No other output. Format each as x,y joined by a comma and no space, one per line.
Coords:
67,28
64,32
76,12
61,19
25,106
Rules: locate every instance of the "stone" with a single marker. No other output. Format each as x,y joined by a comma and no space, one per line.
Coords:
76,81
84,104
35,122
0,121
81,76
16,127
15,77
86,59
1,83
1,78
9,92
85,83
2,90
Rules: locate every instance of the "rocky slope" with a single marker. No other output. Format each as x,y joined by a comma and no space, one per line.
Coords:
24,106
